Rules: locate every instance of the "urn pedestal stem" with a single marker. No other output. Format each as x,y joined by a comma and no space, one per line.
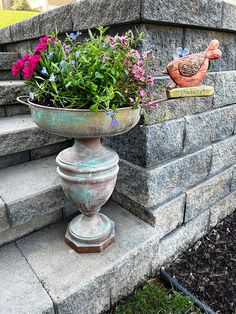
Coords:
88,173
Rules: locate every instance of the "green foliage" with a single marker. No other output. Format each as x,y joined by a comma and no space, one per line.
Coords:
21,5
101,72
154,299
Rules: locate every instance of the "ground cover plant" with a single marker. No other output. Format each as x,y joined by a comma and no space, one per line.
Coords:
8,17
208,270
154,298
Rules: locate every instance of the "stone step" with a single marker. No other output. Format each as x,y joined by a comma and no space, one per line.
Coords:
7,59
30,198
21,134
9,91
87,283
76,283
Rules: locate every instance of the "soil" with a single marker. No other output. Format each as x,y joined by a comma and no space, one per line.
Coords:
208,269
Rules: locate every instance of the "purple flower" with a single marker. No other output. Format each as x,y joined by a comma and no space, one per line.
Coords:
73,36
72,62
78,33
50,54
114,121
110,112
77,54
44,71
52,78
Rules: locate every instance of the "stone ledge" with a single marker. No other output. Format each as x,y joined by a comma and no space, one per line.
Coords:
85,14
6,60
10,90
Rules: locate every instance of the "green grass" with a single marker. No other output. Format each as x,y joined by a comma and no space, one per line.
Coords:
8,17
153,298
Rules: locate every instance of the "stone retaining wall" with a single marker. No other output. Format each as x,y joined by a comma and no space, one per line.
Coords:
180,177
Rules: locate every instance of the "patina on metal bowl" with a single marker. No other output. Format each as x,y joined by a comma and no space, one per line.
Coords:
83,123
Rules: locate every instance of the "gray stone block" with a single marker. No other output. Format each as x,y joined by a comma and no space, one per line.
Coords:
21,291
73,279
233,185
10,90
204,13
149,145
14,159
31,190
26,29
176,108
6,75
154,186
4,224
229,15
181,239
209,127
201,197
7,59
222,209
2,112
162,41
20,133
170,215
89,14
197,40
59,19
49,150
36,223
17,109
224,154
5,34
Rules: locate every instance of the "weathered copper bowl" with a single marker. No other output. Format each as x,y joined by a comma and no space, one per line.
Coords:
82,123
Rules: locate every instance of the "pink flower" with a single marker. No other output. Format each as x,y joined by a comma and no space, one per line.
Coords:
110,39
140,62
44,40
17,67
131,99
138,73
135,52
122,39
147,54
41,47
28,72
26,57
150,80
52,40
142,92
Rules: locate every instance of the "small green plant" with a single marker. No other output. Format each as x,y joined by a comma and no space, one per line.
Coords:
101,72
154,299
21,5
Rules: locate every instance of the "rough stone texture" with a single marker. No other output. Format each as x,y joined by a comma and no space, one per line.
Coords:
20,133
5,34
36,223
229,15
179,240
225,85
6,75
149,145
49,150
25,29
233,185
14,159
162,41
2,112
21,291
169,215
4,224
156,185
7,59
221,209
31,190
224,154
201,197
73,280
208,127
10,90
17,109
176,108
205,13
59,19
197,40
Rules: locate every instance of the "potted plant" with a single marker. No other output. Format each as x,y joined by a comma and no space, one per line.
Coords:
87,90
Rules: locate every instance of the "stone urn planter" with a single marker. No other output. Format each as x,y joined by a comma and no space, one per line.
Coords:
87,170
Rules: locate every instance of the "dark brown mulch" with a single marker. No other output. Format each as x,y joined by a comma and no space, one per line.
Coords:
208,269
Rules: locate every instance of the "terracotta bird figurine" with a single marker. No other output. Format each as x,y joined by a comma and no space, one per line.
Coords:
190,70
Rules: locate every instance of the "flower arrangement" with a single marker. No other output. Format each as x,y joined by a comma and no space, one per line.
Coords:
102,72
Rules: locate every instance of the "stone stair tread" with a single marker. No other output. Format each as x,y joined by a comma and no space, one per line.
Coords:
7,59
20,133
28,179
10,90
21,291
86,283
